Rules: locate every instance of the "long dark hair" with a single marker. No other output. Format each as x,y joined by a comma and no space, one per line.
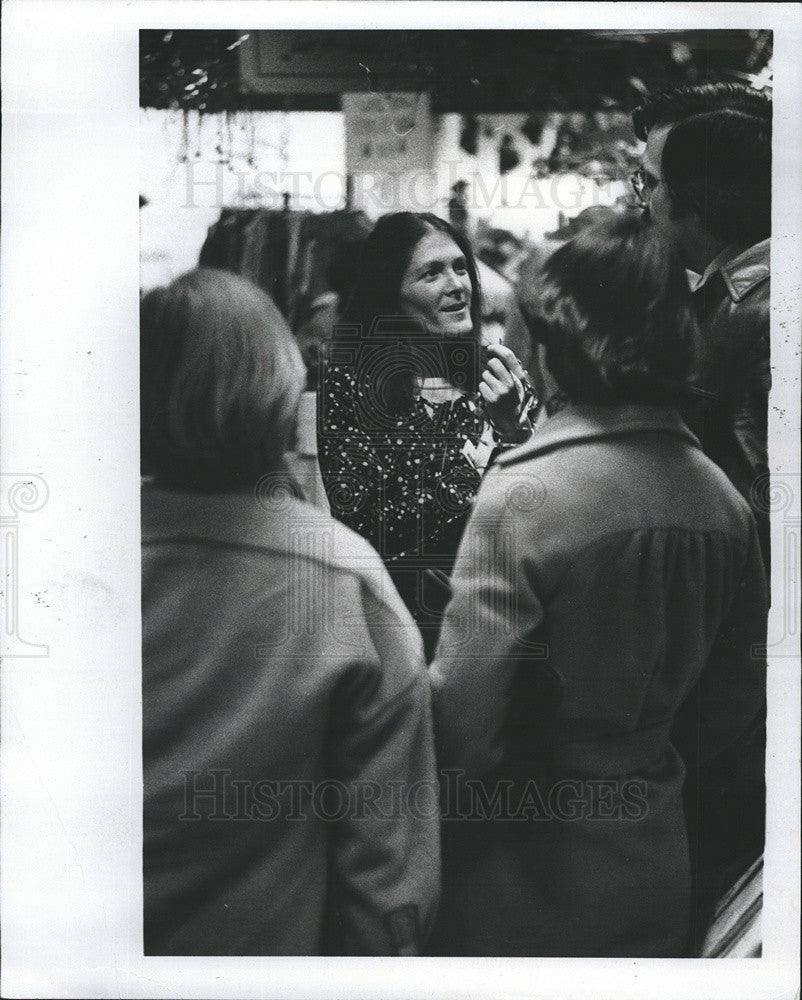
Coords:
385,258
373,311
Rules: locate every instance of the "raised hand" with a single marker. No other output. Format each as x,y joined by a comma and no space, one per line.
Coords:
503,389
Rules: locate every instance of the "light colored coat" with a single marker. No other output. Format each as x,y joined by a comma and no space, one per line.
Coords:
276,650
607,570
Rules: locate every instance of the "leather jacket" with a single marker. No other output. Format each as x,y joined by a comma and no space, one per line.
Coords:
734,371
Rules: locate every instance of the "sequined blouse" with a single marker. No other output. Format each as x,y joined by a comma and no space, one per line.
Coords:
404,482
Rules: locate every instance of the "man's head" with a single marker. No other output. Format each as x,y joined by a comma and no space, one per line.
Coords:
706,174
220,380
671,106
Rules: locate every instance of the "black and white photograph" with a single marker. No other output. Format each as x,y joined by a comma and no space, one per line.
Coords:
422,493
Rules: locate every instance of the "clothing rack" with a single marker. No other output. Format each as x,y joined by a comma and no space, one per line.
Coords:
289,253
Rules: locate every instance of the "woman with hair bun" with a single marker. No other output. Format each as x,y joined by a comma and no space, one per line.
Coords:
278,664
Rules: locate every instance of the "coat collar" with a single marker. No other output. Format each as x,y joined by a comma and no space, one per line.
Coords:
256,521
730,252
269,521
742,273
741,269
594,422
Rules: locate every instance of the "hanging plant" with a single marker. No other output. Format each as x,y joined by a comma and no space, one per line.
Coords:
532,128
508,157
190,70
469,140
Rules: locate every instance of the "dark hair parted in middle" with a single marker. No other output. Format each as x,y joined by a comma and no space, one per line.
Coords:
375,311
385,258
614,313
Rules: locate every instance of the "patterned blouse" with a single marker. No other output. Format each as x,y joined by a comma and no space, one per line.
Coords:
405,483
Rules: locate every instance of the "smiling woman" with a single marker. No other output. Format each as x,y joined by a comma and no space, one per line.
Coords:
411,410
437,287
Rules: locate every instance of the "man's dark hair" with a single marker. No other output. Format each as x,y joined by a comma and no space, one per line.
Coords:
672,106
614,312
718,165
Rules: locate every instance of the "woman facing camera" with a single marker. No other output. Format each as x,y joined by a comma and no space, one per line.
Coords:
608,594
411,411
282,675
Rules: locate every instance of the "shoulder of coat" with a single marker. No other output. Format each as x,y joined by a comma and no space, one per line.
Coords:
514,456
307,533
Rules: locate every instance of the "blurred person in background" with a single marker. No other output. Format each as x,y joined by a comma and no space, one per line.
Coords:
323,312
277,660
458,214
705,184
411,412
607,645
706,187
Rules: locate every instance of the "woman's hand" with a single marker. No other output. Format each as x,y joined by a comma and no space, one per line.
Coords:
502,388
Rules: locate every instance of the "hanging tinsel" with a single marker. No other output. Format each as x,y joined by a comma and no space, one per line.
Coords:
183,149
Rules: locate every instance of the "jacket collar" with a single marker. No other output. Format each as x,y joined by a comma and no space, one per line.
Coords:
593,422
230,518
744,272
741,270
730,252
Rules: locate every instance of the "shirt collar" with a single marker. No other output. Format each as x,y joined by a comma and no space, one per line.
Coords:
594,421
742,273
